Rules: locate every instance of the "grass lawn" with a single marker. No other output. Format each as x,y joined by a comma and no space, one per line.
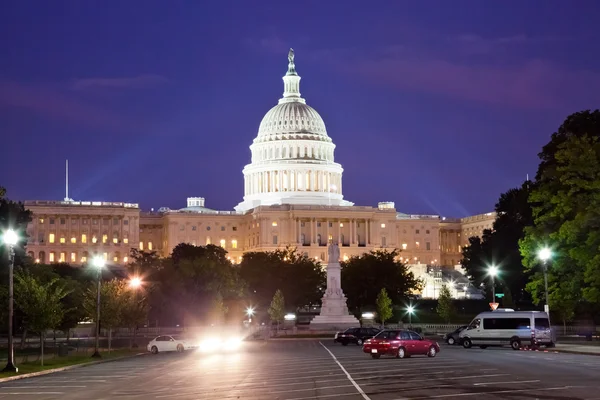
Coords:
58,362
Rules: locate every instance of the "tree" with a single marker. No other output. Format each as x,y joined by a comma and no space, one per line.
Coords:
445,306
507,300
265,272
134,312
113,296
500,246
277,308
363,275
219,309
13,216
384,306
41,304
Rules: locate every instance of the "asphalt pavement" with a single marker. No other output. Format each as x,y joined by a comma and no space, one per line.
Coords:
312,369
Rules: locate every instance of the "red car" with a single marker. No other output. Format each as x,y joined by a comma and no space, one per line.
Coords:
401,344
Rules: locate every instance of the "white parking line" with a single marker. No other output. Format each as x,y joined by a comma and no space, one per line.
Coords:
347,374
494,392
41,387
503,383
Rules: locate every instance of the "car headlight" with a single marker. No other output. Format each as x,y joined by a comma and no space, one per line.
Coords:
210,344
233,343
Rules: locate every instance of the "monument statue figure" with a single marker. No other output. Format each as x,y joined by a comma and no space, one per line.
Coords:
291,56
334,252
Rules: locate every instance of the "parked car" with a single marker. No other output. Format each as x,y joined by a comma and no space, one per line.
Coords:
167,343
401,344
452,338
355,335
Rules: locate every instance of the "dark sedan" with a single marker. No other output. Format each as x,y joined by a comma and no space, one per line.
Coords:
355,335
452,337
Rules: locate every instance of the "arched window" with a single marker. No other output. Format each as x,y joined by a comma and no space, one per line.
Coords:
303,239
319,239
42,256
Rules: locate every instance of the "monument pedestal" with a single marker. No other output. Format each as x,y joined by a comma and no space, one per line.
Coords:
334,310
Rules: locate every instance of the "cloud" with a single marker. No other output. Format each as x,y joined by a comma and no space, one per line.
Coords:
135,82
50,101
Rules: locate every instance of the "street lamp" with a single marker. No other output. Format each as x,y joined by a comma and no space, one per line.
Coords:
10,239
493,272
98,262
545,255
410,310
135,283
250,313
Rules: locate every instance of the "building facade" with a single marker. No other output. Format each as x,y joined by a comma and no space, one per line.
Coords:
292,197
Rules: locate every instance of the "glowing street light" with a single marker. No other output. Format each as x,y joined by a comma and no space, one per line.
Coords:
410,310
135,282
250,313
99,263
545,255
10,239
493,271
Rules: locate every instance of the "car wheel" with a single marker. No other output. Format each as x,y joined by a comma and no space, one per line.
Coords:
376,356
432,352
344,343
180,348
515,344
451,341
359,342
483,347
154,350
401,353
467,343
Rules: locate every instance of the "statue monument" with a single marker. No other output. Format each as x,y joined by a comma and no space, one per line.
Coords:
334,310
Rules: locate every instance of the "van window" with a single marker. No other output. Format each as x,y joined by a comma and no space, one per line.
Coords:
475,324
542,323
506,323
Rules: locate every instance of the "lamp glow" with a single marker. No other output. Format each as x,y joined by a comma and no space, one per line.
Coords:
98,262
545,254
135,282
410,309
10,237
250,311
368,315
493,271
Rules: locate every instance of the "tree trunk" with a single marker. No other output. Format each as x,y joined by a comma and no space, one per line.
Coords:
565,327
42,347
109,338
23,338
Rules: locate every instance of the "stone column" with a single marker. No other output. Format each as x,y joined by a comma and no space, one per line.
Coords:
312,231
327,230
298,230
353,232
368,231
339,232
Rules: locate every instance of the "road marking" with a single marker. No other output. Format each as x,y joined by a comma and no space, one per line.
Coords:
364,395
40,387
502,383
30,393
322,396
495,392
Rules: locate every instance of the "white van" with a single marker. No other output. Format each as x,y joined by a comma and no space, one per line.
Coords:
506,326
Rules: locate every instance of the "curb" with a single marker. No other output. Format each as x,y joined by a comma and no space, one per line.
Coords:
556,351
67,368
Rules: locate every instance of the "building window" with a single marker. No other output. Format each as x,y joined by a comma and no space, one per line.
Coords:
318,224
222,243
142,246
330,238
51,238
115,221
331,224
302,224
222,229
51,256
125,222
459,248
125,259
94,221
105,256
208,228
63,221
115,259
125,240
105,221
63,256
84,221
234,244
63,240
73,221
319,238
41,220
303,239
41,237
404,246
208,241
417,231
83,238
427,246
83,259
73,239
341,225
383,241
274,239
149,245
104,238
51,221
274,223
181,227
73,257
194,227
115,239
417,244
427,232
383,225
234,228
94,239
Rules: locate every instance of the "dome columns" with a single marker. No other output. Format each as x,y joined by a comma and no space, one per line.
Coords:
293,180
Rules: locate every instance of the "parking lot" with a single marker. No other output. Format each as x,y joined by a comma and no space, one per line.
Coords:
312,369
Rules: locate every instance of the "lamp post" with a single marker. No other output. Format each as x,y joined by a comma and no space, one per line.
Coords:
410,310
135,283
98,262
250,313
11,239
545,254
492,272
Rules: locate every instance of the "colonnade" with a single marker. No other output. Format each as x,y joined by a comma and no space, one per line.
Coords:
292,181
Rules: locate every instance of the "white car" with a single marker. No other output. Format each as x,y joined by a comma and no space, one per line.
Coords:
166,343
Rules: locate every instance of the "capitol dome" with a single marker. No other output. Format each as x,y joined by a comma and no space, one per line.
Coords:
292,155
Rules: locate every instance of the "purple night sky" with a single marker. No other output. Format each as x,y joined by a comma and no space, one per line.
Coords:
437,105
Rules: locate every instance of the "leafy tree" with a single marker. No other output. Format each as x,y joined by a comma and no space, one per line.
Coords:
134,311
13,216
277,308
384,306
507,300
265,272
500,246
219,309
362,275
113,298
445,307
41,304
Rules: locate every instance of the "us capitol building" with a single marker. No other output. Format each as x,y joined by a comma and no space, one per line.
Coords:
292,197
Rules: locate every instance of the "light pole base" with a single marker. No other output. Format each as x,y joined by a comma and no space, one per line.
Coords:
10,367
96,355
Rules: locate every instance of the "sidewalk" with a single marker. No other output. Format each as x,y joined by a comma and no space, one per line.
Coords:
577,349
